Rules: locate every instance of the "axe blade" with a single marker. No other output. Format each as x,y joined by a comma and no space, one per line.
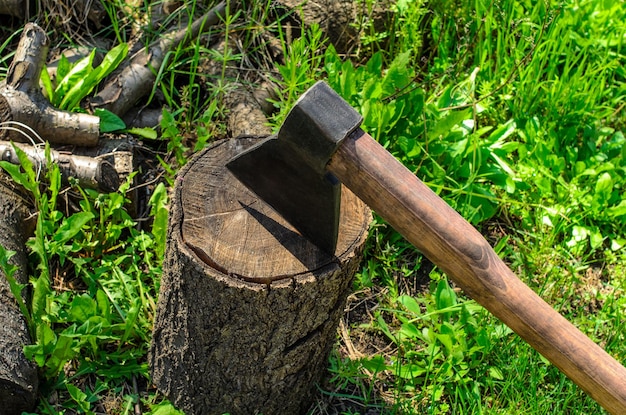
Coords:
289,171
279,177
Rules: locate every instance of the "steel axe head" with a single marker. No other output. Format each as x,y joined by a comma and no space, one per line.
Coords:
288,171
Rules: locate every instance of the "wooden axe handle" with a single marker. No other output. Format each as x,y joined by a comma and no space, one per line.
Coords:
450,242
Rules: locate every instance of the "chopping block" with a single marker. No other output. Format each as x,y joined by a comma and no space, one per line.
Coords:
248,308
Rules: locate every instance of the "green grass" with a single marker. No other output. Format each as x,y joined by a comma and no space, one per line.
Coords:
512,111
515,127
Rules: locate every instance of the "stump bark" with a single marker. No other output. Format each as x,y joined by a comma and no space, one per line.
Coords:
18,375
248,309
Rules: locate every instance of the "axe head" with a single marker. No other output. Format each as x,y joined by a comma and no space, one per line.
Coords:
288,171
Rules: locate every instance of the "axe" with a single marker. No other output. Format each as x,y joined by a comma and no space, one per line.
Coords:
320,145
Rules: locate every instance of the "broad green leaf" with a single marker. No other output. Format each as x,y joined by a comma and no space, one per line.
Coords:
103,304
604,186
504,131
374,65
34,352
47,84
398,75
46,337
63,67
144,132
5,256
67,88
445,297
401,6
112,60
409,146
347,80
79,397
375,364
16,173
72,226
109,122
27,177
158,210
445,100
482,339
445,124
165,409
596,239
41,291
429,334
618,210
45,340
447,341
61,354
372,90
618,243
82,308
92,77
410,304
409,371
496,373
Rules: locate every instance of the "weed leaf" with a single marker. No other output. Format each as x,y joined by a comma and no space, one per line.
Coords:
165,409
69,86
158,210
47,84
82,308
443,126
79,397
78,87
72,226
109,122
410,304
445,297
144,132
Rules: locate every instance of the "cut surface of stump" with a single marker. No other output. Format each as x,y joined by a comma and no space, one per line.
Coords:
248,308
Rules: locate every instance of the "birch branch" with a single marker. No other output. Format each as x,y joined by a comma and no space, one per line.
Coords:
91,172
22,103
139,74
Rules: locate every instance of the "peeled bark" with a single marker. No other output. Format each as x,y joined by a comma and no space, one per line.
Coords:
23,107
248,308
18,376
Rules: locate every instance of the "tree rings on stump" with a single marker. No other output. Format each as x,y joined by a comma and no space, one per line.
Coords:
248,308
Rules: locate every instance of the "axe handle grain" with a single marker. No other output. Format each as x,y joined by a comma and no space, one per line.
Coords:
450,242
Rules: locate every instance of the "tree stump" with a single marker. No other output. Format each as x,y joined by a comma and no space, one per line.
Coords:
248,308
